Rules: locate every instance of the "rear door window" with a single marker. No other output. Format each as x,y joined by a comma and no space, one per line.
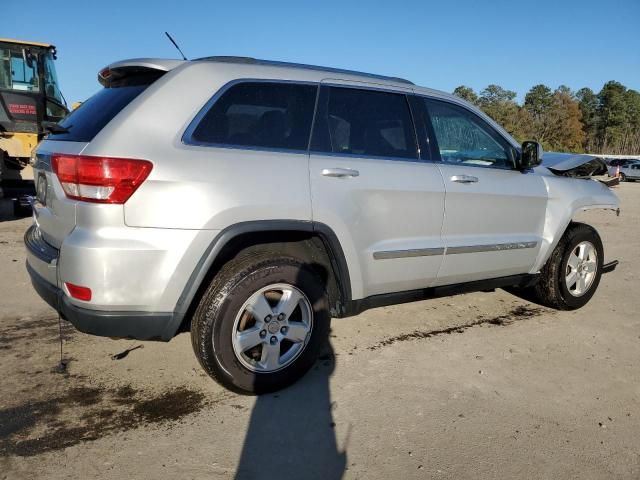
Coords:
88,119
367,123
259,115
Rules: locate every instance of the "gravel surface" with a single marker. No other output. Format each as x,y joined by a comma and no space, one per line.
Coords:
476,386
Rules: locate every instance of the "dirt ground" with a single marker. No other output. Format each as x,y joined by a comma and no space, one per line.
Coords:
475,386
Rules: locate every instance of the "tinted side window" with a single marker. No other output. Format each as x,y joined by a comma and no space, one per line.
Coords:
364,122
464,138
259,114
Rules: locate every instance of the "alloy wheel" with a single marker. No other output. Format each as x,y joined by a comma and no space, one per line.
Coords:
272,328
581,269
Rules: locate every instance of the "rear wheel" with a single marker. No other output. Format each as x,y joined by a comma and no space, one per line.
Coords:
623,177
572,274
261,323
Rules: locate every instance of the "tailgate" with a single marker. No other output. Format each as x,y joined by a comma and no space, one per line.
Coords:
53,212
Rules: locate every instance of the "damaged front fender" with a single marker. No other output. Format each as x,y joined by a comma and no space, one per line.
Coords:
566,198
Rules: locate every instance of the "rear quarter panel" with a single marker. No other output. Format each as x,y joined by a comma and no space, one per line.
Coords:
200,187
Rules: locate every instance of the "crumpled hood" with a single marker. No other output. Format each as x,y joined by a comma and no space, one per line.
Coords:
574,164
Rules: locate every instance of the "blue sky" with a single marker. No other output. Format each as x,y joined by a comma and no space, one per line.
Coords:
515,44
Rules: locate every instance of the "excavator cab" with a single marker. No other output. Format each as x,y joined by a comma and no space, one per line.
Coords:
30,102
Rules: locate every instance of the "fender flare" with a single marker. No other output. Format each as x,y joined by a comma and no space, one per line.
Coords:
327,235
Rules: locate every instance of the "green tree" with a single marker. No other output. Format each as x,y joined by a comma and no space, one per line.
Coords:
565,117
588,102
500,105
539,102
555,118
612,116
466,93
632,132
606,122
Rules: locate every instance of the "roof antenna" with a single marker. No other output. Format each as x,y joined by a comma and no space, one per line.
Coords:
175,45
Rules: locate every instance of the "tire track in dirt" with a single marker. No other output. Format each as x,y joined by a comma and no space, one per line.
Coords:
519,313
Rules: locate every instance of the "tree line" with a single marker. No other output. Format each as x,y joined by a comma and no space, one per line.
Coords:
562,120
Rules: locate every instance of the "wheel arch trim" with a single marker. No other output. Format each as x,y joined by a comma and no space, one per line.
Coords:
326,234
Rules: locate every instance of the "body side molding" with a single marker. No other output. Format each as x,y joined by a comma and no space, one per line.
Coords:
494,247
413,252
426,252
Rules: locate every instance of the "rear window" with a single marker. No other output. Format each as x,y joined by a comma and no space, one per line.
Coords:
260,115
88,119
365,123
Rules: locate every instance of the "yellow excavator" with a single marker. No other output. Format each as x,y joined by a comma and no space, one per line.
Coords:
31,103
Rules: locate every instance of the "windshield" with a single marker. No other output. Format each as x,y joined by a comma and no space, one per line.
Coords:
18,70
51,85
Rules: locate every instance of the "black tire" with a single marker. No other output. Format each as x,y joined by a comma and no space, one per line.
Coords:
552,290
213,322
623,177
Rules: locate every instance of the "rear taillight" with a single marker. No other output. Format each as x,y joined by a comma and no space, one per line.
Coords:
99,179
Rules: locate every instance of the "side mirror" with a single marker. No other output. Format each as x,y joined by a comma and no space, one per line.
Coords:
530,155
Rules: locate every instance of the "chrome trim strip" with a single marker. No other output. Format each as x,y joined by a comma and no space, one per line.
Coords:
413,252
427,252
495,247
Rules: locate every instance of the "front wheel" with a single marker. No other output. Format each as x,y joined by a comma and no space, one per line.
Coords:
261,323
572,274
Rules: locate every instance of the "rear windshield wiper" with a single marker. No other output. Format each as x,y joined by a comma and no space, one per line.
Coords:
54,128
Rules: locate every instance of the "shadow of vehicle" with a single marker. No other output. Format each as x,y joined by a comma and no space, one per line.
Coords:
291,433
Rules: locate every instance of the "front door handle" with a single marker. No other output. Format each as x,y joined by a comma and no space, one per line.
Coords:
340,172
464,179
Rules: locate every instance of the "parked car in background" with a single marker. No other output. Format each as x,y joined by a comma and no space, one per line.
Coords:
250,201
630,171
620,162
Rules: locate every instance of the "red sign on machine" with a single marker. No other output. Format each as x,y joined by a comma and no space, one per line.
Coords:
22,109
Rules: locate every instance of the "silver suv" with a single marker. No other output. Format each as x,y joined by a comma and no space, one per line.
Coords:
250,201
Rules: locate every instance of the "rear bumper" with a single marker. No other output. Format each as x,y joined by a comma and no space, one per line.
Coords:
136,277
136,325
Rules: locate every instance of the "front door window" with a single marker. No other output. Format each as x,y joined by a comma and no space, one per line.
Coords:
464,138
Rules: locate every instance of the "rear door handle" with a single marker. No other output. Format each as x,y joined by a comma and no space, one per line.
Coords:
464,179
340,172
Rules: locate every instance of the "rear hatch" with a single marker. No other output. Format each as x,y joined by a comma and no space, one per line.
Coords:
54,213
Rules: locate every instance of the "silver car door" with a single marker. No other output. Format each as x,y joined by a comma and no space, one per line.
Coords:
367,183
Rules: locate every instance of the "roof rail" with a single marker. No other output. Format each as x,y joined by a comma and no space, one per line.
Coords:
275,63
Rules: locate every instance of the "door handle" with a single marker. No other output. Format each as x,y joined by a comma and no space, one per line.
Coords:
340,172
464,179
